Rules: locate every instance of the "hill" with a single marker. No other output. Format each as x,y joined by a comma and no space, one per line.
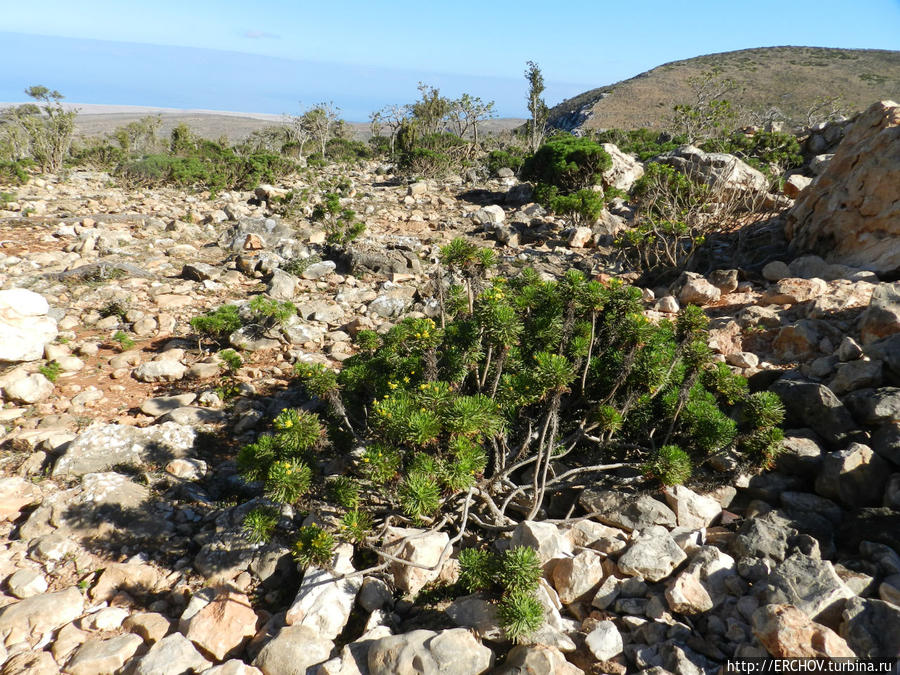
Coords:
791,79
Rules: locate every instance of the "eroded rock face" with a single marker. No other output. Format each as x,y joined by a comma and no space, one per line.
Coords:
851,213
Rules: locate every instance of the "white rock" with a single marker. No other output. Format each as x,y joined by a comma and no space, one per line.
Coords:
25,327
324,602
29,389
604,641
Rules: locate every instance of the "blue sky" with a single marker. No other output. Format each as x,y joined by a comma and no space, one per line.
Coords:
269,55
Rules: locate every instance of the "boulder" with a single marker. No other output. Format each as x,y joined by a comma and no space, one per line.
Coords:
536,660
172,654
475,612
653,555
815,406
578,577
629,513
34,617
792,291
545,538
728,176
604,641
223,626
687,595
102,657
855,375
490,216
16,494
282,286
882,317
580,237
809,584
418,547
851,213
25,328
324,601
776,271
292,651
102,446
164,370
29,389
795,184
449,652
696,290
871,627
625,169
785,631
854,476
691,510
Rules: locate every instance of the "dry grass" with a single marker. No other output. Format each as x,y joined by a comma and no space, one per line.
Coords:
789,78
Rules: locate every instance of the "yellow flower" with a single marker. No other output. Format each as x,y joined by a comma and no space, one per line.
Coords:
288,424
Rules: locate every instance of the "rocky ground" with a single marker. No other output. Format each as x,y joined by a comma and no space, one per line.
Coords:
121,506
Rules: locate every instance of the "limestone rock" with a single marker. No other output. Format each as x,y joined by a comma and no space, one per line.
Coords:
103,446
16,494
545,538
851,213
164,370
29,389
25,327
695,290
324,601
728,176
686,595
691,510
103,657
292,651
653,555
793,291
816,407
629,513
604,641
536,659
223,626
415,546
449,652
855,476
871,627
34,617
173,654
785,631
882,317
795,184
625,169
577,577
810,585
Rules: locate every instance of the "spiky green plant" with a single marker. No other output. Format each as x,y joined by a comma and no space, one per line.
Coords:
314,546
476,569
259,524
520,615
671,466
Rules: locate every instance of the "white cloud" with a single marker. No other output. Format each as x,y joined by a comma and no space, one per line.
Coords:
260,35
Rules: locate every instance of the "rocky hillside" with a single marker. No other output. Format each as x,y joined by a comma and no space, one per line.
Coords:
121,507
791,79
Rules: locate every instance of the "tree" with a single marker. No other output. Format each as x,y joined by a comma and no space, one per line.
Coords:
430,110
709,114
466,113
48,126
320,121
536,106
393,116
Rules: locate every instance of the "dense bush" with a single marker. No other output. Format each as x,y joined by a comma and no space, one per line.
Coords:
211,166
643,143
771,152
347,150
510,158
454,423
566,170
15,172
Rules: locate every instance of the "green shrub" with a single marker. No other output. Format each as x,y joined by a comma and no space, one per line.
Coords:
512,158
568,163
347,150
643,143
125,343
219,323
269,312
513,577
314,547
565,170
259,524
672,466
51,370
14,172
462,414
341,226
